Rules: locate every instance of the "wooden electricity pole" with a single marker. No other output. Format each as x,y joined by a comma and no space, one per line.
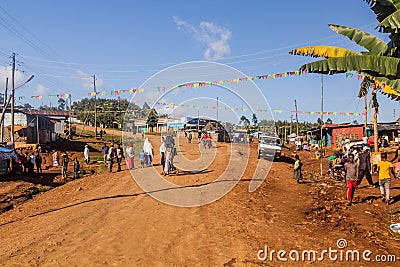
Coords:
365,114
12,98
4,108
95,106
297,118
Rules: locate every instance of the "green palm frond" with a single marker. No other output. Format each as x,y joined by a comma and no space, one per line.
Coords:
377,66
383,8
391,23
373,44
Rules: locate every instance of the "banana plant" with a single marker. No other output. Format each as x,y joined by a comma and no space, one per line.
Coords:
380,62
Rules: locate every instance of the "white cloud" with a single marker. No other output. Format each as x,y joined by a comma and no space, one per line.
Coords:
5,72
216,37
42,90
87,80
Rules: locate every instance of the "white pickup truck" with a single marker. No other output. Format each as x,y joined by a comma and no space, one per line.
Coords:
269,146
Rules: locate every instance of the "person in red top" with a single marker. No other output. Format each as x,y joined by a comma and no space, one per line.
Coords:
209,140
371,141
204,139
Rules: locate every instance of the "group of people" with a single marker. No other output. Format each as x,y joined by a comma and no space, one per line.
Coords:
64,163
355,171
357,165
202,136
28,162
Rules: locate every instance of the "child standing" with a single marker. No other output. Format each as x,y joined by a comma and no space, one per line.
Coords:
385,168
297,169
351,168
141,158
120,155
168,163
396,167
76,168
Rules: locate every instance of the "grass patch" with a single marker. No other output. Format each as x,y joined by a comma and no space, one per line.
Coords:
101,168
43,188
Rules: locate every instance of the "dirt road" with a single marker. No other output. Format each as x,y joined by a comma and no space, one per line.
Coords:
107,220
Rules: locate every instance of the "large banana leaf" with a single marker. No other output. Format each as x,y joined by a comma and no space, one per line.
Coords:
389,87
323,51
391,23
377,66
383,8
370,42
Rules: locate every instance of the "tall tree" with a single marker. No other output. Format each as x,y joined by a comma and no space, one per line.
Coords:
254,119
152,119
245,121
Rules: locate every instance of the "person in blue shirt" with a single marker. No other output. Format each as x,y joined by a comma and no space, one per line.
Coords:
141,157
105,152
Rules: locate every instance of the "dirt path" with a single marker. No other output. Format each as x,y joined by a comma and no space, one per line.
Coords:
107,220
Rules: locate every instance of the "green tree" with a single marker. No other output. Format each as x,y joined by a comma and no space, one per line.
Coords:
254,119
379,64
329,121
245,121
152,119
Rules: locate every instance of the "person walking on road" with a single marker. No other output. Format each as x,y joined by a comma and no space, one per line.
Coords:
364,167
110,157
385,168
163,150
298,176
130,156
120,155
148,151
351,168
39,163
76,168
105,152
64,164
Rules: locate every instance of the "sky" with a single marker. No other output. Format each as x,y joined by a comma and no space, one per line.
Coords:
124,43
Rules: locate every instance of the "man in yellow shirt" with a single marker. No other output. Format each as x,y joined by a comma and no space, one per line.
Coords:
385,168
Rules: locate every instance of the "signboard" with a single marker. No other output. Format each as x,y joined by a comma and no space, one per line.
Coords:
19,119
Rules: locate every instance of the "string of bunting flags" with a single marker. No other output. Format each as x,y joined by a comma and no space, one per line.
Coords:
220,82
40,96
195,84
276,111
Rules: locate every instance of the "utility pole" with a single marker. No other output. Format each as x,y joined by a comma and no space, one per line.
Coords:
291,123
217,111
198,120
297,118
95,106
4,108
12,99
37,128
69,116
365,114
394,114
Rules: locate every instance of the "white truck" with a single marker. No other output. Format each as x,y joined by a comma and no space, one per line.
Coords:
269,146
